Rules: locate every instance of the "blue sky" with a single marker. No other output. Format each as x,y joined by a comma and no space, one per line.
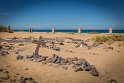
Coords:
62,14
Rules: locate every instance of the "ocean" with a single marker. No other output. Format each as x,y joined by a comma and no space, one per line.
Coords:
75,31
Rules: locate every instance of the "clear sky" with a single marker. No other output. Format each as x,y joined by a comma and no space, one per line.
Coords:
62,14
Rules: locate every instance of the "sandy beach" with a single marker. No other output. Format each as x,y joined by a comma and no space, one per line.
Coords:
108,62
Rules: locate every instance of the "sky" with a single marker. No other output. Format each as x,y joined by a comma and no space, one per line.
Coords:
62,14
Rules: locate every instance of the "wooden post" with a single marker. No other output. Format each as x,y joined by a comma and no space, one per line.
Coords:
79,30
30,30
53,30
8,29
110,30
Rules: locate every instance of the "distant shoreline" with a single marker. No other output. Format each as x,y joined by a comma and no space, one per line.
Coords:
74,31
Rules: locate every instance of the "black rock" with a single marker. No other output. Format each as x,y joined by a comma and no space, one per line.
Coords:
1,70
13,80
110,48
78,68
94,72
80,62
1,47
56,48
23,80
3,53
21,44
75,59
43,58
87,68
19,57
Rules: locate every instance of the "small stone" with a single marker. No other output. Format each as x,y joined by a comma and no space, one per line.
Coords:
77,68
110,48
19,57
94,72
21,45
26,68
56,48
6,72
1,70
13,80
17,74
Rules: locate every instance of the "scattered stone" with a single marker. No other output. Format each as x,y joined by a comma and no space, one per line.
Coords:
17,74
26,68
5,77
8,47
78,68
1,70
1,47
56,48
81,44
29,79
61,43
3,53
110,48
13,80
82,64
6,72
44,62
19,57
94,71
21,45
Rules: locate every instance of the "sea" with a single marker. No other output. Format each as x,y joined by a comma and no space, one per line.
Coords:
75,31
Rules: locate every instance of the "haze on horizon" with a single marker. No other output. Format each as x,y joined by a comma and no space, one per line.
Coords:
62,14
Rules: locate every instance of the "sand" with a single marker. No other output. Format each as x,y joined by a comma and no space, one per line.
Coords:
109,63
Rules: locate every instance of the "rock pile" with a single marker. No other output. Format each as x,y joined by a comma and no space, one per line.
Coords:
4,49
29,79
3,53
78,64
84,44
82,64
5,77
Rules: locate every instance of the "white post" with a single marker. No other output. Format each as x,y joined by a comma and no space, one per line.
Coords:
110,30
53,30
79,30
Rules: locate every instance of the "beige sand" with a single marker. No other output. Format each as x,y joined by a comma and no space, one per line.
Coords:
110,64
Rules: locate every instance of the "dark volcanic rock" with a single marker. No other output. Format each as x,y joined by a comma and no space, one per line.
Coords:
1,47
56,48
21,44
19,57
94,72
78,68
29,79
80,62
110,48
3,53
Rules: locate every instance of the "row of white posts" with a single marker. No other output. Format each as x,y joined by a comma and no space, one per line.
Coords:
79,30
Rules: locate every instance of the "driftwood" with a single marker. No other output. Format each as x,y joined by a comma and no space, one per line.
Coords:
40,42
